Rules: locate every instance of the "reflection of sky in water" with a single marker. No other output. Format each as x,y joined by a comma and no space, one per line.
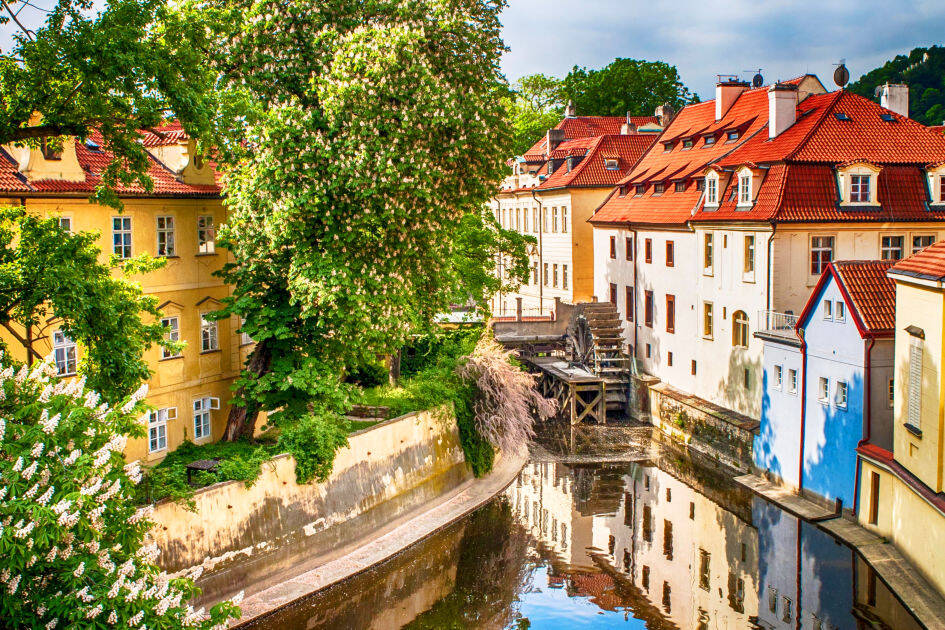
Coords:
548,607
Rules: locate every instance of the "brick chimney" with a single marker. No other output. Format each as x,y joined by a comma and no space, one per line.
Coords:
895,97
665,113
570,111
553,139
726,92
628,127
782,108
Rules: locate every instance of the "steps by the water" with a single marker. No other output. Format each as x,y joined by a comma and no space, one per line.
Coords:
610,361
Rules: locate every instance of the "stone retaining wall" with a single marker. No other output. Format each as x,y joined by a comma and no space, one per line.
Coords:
244,535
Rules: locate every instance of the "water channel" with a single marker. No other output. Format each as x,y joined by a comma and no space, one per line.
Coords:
633,537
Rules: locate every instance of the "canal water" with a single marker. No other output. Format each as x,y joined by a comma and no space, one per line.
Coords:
603,537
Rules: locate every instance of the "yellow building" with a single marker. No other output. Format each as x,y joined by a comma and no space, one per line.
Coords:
189,390
901,493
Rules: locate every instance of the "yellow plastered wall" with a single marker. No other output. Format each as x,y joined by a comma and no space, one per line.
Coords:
923,307
186,287
584,201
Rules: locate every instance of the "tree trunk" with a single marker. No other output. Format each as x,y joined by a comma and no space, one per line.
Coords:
393,369
242,419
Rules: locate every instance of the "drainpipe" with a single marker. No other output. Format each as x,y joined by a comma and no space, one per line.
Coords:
774,228
867,422
541,256
636,294
800,463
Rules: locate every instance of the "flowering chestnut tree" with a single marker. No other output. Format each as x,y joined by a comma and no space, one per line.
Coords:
74,549
373,128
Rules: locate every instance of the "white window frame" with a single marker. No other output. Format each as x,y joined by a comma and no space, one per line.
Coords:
535,220
206,234
828,310
792,381
65,354
778,376
861,188
916,248
823,390
712,189
564,277
887,249
744,188
166,236
203,418
841,394
819,249
936,178
122,240
564,219
708,320
65,223
840,311
708,251
891,392
859,171
157,428
172,323
209,334
554,219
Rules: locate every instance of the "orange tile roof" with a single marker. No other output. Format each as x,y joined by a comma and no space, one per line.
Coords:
928,264
587,127
591,172
93,161
872,292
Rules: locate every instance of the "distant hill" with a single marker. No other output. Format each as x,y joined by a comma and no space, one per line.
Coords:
923,70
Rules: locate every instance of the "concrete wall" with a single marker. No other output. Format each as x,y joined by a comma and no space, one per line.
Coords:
777,447
245,535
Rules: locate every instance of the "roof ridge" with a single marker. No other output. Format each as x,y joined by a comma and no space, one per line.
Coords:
810,132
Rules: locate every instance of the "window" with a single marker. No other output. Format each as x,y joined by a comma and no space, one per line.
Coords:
792,381
547,223
874,497
639,189
915,382
692,367
744,189
202,409
613,294
554,276
545,275
788,606
121,236
648,250
165,236
613,247
554,220
564,220
746,378
157,428
535,273
712,190
860,188
708,320
518,218
64,352
649,351
687,143
535,220
731,136
628,253
704,565
669,361
700,184
670,254
821,253
828,310
840,311
778,376
891,391
629,305
891,247
564,276
667,147
208,335
708,255
823,390
647,523
941,188
680,187
921,242
65,223
749,264
645,578
670,313
709,141
648,309
611,164
659,188
668,539
172,326
740,329
840,396
245,339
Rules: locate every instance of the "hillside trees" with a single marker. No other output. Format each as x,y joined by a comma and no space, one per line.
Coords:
923,70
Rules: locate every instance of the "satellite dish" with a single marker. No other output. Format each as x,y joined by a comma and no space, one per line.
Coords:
841,76
758,80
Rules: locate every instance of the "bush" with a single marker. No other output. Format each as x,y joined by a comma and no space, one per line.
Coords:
313,441
368,375
438,348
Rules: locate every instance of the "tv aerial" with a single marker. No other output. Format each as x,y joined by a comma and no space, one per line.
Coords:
756,81
841,76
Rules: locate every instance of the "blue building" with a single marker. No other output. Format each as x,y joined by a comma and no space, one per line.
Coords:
828,382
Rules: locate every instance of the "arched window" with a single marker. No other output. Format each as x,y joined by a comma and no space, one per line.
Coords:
740,329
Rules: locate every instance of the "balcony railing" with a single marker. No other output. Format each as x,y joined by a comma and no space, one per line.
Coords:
777,323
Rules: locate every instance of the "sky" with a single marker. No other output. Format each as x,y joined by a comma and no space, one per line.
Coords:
705,38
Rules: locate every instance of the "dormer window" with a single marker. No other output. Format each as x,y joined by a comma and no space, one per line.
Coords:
936,177
639,190
659,188
712,189
858,184
700,184
709,141
860,188
667,147
51,150
680,187
744,188
687,143
611,164
731,136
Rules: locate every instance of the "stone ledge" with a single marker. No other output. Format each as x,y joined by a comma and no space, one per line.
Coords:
717,411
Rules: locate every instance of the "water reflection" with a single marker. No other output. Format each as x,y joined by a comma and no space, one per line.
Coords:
661,545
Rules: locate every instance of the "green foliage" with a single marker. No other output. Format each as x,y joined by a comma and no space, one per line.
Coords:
534,107
313,440
116,71
51,279
480,454
625,85
239,461
430,349
923,70
73,541
371,373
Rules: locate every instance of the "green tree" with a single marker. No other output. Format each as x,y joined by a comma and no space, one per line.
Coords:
923,70
626,85
117,71
534,106
51,279
374,127
73,549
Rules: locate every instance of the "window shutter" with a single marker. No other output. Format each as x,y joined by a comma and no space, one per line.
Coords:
915,383
198,404
172,413
214,403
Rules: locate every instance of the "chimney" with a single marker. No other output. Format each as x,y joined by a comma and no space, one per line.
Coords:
628,127
782,108
726,92
553,139
569,111
895,97
665,113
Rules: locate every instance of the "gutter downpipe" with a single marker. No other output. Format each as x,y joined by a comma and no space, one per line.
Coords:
636,293
541,256
774,228
800,462
498,262
867,422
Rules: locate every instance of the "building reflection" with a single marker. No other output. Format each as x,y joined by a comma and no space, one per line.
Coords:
680,547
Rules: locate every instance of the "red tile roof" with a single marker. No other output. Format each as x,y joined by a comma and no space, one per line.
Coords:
587,127
872,292
928,264
169,133
93,161
591,172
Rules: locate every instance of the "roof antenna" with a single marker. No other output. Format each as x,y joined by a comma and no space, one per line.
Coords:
841,76
756,81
